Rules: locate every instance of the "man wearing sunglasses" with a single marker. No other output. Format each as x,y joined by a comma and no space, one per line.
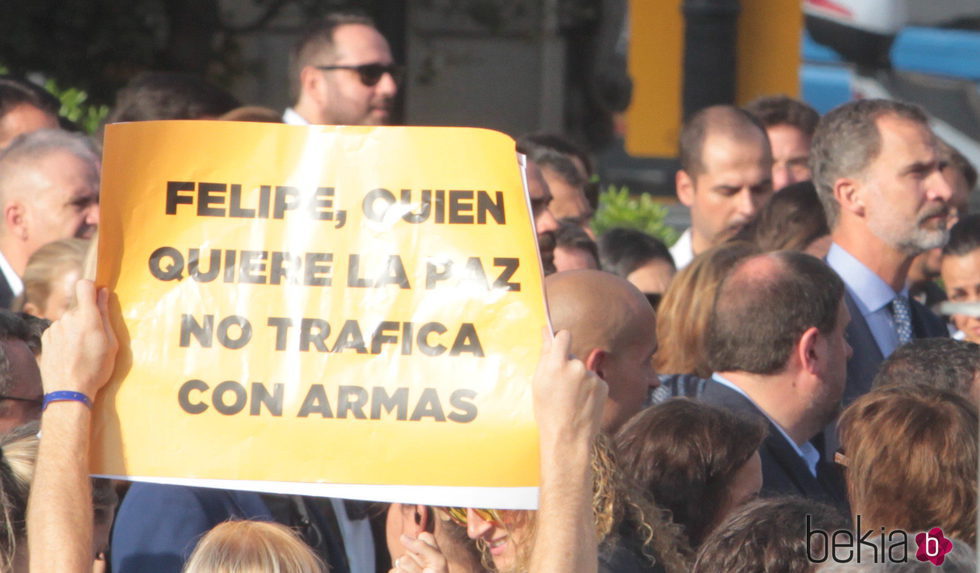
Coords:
342,73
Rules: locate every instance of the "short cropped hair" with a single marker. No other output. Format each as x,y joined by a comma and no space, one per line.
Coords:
252,546
769,535
847,141
757,319
315,46
686,454
561,144
15,92
571,235
170,95
720,119
964,237
783,110
912,460
549,157
942,363
622,251
12,327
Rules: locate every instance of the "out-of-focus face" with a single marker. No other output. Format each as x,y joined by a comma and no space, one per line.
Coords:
63,201
573,259
22,403
790,155
825,403
961,275
24,118
60,297
735,185
342,97
907,197
629,370
568,200
539,192
653,277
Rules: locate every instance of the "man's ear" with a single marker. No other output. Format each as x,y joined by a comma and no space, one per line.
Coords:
15,220
810,350
849,193
596,361
309,81
685,188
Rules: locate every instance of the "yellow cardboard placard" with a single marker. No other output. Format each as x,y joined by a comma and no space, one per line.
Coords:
304,306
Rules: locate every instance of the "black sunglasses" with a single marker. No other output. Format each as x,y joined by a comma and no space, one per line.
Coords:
371,74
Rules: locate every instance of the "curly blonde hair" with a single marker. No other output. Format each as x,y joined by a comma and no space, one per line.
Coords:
615,501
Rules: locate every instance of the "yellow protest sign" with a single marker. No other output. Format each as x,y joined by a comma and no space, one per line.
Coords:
344,311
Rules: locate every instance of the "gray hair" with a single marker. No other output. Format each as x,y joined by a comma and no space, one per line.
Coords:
847,140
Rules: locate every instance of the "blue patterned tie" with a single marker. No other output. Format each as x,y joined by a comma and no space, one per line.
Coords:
902,313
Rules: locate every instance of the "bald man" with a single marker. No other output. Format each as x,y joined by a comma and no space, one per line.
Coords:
613,332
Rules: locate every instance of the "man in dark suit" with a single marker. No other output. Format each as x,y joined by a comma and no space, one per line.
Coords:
877,168
776,343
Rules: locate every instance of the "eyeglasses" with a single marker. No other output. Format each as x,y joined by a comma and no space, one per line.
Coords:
458,515
371,74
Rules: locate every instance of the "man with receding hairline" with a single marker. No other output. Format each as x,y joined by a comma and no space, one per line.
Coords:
725,177
775,341
879,175
613,332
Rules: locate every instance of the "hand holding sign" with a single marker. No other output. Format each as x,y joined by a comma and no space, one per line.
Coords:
336,311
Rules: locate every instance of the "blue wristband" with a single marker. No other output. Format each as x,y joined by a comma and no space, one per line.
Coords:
65,395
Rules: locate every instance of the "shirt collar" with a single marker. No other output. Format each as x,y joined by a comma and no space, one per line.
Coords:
869,290
13,281
290,117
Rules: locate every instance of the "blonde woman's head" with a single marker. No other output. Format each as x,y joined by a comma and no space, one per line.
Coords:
252,547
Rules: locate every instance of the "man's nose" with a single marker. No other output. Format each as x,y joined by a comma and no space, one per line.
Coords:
387,85
476,526
939,188
545,222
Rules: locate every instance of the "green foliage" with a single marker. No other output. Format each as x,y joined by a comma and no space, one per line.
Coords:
618,208
75,108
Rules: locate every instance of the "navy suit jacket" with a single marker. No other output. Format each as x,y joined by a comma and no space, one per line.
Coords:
6,294
784,472
157,525
867,357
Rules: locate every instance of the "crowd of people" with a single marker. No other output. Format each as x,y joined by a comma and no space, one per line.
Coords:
775,382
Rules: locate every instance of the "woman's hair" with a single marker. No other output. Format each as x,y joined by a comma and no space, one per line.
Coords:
791,220
18,452
912,460
622,251
252,547
769,535
616,503
682,316
49,263
685,454
964,237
